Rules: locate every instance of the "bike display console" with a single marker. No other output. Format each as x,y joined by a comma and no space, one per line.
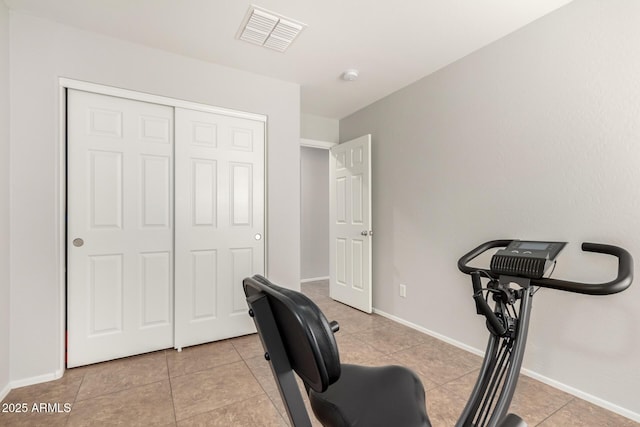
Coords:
530,259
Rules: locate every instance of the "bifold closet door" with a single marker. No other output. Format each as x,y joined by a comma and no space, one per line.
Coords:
119,227
219,235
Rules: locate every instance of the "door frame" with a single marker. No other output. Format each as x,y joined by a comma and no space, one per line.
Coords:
67,83
316,143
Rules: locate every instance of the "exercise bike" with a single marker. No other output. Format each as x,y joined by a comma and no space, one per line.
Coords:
522,263
298,338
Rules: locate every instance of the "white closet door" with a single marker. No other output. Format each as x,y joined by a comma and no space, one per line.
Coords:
119,227
219,236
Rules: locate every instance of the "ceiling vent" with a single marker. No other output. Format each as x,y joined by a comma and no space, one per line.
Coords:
268,29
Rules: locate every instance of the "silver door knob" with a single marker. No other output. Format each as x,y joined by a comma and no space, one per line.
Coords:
258,236
78,242
364,233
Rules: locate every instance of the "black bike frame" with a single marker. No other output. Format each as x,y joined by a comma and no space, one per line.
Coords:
500,369
496,383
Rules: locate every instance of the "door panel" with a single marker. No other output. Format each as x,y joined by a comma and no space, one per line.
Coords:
350,223
155,191
204,192
105,294
157,287
219,213
119,227
204,284
105,192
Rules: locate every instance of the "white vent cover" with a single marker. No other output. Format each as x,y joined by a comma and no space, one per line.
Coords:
268,29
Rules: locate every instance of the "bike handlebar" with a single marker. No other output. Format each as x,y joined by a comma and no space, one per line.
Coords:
619,284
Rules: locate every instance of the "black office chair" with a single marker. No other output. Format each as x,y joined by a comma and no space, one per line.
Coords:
297,337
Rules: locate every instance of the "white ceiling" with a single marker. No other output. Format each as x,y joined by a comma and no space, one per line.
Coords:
391,43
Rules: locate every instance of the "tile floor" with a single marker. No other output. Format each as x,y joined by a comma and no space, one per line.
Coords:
228,383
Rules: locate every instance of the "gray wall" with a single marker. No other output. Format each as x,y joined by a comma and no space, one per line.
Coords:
314,224
319,128
536,136
42,51
4,199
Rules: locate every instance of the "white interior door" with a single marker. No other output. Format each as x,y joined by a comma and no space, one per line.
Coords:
350,223
119,227
219,223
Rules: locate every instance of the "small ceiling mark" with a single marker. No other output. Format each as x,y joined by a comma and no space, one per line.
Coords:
268,29
350,75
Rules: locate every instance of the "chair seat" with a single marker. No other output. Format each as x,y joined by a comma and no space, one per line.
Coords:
367,396
298,338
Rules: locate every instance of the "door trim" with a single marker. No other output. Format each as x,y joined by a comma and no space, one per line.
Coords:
67,83
156,99
315,143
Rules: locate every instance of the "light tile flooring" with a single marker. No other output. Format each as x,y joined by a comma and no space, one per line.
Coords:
228,383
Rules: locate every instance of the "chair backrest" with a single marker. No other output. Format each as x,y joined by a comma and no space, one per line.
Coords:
304,331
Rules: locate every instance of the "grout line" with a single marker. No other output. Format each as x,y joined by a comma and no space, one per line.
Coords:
75,396
266,393
256,378
556,411
238,351
207,368
111,393
173,403
476,371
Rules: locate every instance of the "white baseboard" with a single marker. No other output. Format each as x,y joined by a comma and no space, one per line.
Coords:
582,395
37,380
5,391
314,279
536,376
430,333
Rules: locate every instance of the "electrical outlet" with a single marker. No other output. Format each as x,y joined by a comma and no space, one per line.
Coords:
403,290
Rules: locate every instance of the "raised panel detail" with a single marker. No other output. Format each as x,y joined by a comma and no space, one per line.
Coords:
205,134
357,251
241,267
341,200
156,191
341,160
104,123
241,193
156,288
341,261
357,156
205,284
155,129
241,139
105,188
105,294
204,192
356,199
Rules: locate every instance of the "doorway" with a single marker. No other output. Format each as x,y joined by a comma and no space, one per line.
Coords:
314,211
